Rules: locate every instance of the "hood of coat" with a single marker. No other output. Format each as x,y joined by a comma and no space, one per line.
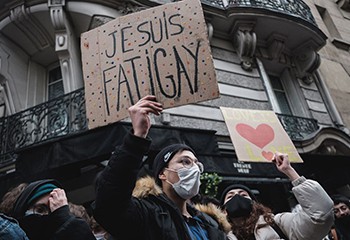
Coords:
147,186
215,212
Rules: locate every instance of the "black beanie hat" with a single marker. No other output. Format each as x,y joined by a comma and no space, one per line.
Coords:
164,156
237,186
22,203
338,198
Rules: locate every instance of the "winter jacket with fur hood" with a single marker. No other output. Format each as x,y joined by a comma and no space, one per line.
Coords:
312,222
150,215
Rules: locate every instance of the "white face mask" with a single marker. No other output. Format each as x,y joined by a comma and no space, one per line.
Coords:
189,183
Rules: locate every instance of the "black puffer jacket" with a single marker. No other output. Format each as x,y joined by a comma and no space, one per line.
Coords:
153,216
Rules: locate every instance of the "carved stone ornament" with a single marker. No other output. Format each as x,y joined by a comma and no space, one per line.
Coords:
306,61
245,47
344,4
275,45
244,43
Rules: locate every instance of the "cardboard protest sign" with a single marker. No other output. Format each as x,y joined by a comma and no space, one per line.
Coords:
163,51
257,135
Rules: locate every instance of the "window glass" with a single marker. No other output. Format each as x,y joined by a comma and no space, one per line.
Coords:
2,102
280,95
55,85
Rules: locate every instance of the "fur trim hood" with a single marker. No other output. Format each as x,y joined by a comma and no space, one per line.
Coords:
215,212
146,186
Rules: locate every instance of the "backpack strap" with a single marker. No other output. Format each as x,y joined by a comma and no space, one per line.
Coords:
334,234
279,231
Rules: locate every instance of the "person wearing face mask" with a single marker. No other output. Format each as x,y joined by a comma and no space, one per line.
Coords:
156,207
43,213
341,228
252,220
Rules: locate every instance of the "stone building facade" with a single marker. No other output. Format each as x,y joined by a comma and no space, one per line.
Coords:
290,57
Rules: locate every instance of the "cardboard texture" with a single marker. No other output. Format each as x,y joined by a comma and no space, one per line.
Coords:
257,135
163,51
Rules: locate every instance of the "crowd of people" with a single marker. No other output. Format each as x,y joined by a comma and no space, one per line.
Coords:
162,206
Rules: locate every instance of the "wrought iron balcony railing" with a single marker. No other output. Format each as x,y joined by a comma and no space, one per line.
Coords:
297,8
66,115
298,128
56,118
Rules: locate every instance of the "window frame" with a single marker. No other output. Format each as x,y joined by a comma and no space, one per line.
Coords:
48,84
292,89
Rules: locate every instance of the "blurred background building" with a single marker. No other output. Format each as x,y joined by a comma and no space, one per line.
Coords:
289,56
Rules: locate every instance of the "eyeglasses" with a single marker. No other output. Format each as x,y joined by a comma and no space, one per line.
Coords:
40,209
188,163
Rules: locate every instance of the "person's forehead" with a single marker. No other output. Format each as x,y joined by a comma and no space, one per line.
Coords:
43,199
184,153
237,191
341,205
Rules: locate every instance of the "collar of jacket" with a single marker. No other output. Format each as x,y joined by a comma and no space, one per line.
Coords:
146,187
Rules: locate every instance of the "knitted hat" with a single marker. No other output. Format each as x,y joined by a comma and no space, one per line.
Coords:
237,186
164,156
31,193
338,198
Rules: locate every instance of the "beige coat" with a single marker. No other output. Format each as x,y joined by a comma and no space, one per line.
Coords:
313,222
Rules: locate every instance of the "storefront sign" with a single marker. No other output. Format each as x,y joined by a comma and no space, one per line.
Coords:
163,51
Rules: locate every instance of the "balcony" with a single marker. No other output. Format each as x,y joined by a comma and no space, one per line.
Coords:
63,116
295,8
268,29
66,116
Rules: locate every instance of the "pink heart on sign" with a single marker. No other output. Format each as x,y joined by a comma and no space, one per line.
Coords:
261,136
267,155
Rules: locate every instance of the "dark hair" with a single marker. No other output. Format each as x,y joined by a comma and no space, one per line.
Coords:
243,228
79,211
9,199
338,198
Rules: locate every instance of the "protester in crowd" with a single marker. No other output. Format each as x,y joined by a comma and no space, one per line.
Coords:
10,230
341,228
41,209
252,220
99,232
79,211
161,210
9,199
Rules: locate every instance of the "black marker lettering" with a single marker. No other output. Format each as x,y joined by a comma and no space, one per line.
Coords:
195,57
165,26
124,39
176,24
181,70
150,74
114,45
105,87
158,77
143,31
160,31
134,74
120,82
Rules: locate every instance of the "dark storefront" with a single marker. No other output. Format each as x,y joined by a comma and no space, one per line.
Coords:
76,160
